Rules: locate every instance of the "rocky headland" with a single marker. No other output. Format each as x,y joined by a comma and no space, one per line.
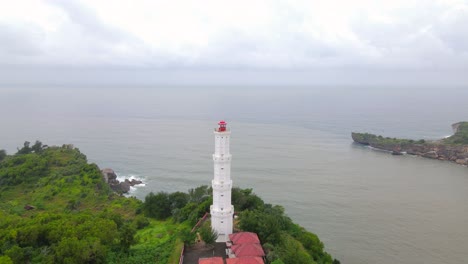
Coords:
120,187
453,148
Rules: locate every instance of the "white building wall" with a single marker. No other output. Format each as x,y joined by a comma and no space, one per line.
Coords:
222,211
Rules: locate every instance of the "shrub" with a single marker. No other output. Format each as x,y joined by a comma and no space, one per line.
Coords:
208,235
157,205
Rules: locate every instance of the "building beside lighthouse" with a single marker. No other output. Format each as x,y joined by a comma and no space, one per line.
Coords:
222,210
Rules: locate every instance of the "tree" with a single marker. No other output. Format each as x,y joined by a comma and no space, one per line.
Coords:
3,154
267,223
199,194
311,243
73,205
127,237
5,260
72,250
187,236
157,205
208,235
291,251
278,261
189,211
19,255
244,199
37,147
25,149
141,222
178,200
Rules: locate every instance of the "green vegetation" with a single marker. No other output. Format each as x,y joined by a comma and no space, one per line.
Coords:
56,208
281,238
2,154
460,137
159,242
208,234
371,139
284,241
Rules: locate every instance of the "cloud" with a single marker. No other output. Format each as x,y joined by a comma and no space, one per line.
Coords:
415,36
452,29
19,41
88,21
290,35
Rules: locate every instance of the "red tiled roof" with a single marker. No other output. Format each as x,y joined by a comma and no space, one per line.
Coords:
245,260
248,250
214,260
244,238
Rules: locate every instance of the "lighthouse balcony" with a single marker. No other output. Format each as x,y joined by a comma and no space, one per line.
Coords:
224,131
222,157
217,212
221,186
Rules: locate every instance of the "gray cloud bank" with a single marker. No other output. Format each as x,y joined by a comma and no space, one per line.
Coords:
423,43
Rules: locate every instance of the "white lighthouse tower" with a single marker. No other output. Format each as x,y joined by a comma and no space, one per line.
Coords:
222,210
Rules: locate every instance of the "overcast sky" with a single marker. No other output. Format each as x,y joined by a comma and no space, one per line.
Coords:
359,41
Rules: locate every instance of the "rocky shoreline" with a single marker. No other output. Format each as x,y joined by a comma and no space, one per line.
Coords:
120,187
443,149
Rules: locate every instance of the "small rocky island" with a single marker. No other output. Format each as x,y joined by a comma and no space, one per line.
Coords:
120,187
453,148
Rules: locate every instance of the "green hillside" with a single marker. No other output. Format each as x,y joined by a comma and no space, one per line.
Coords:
73,215
56,208
461,135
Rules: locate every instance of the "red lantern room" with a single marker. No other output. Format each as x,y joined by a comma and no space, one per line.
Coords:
222,126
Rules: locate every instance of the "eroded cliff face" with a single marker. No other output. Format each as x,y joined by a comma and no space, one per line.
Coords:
434,150
458,154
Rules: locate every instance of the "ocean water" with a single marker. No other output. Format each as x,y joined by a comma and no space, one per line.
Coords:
291,145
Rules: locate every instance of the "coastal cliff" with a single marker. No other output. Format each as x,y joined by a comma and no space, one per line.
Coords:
453,148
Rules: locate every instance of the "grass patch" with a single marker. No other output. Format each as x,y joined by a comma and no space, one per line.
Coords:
157,232
175,256
156,243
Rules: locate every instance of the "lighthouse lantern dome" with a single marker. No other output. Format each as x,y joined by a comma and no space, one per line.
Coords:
222,126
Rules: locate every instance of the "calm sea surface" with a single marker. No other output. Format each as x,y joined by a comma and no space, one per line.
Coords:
291,145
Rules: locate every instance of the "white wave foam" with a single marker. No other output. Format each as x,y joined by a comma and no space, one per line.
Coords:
132,189
130,177
377,149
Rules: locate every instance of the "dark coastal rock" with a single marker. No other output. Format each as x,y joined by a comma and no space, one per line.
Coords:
134,182
120,187
125,186
109,175
397,151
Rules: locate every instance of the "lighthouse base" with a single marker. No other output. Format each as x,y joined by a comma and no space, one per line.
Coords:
222,223
222,238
